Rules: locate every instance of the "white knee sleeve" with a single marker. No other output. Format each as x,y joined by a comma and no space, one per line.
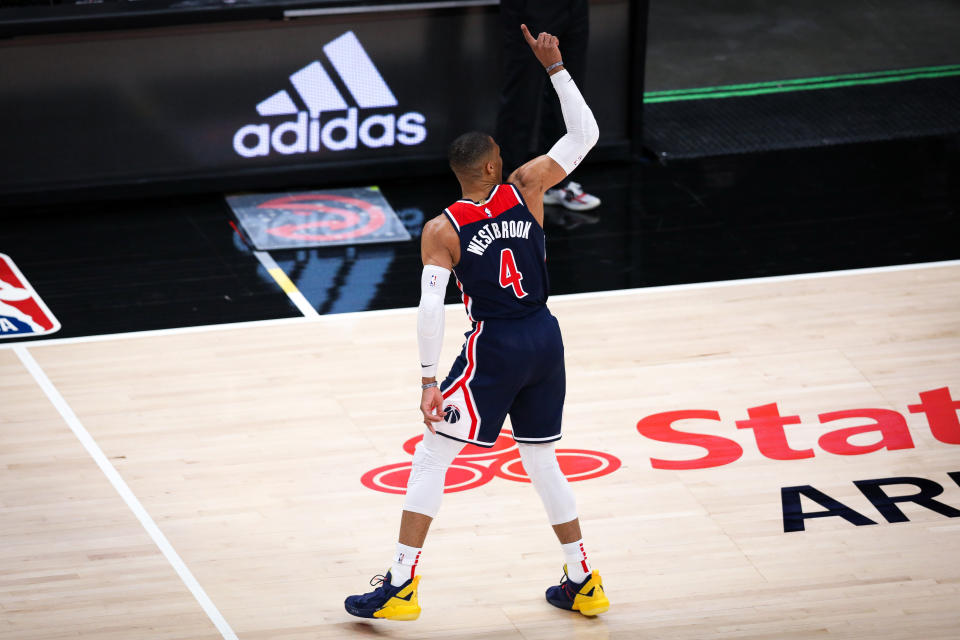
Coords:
430,462
540,463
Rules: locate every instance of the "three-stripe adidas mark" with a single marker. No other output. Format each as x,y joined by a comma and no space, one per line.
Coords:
319,94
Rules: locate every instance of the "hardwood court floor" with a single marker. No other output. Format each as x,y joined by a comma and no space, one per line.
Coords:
246,445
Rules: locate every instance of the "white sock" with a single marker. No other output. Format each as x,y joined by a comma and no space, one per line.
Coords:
404,564
578,567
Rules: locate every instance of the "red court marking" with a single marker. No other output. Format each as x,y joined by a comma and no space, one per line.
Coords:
576,465
393,478
463,474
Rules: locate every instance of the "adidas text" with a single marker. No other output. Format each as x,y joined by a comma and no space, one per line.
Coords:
305,134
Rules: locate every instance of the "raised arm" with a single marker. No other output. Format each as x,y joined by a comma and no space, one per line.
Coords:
541,173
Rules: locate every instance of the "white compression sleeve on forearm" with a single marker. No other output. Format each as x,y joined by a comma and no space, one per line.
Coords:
582,130
433,286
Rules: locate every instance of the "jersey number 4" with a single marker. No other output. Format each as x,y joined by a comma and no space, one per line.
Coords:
510,276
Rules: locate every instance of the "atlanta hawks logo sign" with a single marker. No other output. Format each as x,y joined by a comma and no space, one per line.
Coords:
321,217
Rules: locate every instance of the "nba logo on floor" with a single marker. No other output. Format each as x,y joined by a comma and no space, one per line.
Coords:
22,312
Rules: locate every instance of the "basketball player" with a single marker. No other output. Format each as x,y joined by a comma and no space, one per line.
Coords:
512,360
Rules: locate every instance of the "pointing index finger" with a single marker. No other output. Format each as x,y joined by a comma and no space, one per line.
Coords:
526,35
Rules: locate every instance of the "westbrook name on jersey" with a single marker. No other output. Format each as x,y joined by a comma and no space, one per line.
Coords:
494,231
502,271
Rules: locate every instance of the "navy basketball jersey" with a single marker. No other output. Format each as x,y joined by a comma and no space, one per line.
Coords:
502,271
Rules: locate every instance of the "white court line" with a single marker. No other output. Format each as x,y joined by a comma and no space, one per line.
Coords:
108,469
282,279
764,280
337,317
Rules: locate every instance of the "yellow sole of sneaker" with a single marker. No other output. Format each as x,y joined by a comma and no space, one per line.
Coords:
593,609
398,613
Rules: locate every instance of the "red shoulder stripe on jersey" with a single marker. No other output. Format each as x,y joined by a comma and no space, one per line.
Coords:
516,192
502,200
467,211
453,219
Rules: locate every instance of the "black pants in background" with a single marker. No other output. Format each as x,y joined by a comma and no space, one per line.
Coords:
526,92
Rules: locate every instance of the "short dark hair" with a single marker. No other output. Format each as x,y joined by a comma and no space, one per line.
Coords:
468,149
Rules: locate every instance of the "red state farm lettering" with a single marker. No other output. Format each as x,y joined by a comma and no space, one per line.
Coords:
941,411
767,425
720,450
770,434
890,424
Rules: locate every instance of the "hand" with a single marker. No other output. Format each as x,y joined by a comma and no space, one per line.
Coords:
544,46
431,406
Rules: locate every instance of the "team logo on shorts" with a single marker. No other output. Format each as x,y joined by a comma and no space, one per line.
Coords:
451,414
22,312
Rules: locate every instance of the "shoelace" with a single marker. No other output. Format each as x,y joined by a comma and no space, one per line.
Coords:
378,581
565,586
574,192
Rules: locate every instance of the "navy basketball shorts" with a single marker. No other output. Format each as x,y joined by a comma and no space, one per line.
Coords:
507,366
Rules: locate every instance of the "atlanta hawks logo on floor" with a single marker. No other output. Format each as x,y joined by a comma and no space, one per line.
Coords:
476,466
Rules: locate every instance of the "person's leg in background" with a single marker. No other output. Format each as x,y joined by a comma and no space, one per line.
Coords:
572,27
522,82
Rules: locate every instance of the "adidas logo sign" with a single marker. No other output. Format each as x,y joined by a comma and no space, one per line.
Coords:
306,133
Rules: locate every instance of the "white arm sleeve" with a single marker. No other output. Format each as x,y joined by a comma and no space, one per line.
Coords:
433,286
582,130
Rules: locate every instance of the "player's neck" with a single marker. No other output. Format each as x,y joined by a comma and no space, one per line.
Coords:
478,191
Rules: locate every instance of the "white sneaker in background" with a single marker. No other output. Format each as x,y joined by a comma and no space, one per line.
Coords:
572,197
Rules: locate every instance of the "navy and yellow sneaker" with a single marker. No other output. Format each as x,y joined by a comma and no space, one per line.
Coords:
586,597
386,601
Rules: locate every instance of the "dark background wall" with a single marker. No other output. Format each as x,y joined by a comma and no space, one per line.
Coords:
700,43
162,104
